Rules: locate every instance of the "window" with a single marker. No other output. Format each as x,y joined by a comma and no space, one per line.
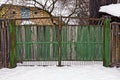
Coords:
25,13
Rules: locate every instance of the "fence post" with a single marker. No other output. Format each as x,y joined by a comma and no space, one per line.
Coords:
12,44
106,51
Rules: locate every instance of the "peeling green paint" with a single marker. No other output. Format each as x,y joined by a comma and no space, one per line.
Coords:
12,45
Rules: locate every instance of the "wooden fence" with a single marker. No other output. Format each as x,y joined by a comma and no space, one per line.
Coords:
81,39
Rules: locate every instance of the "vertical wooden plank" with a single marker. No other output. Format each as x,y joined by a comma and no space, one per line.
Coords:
51,43
74,40
68,40
0,45
34,39
106,54
8,44
21,37
113,45
12,44
119,44
5,46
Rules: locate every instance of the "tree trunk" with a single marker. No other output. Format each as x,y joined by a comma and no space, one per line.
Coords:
107,2
94,8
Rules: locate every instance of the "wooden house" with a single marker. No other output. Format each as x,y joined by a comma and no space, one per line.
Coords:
113,16
10,11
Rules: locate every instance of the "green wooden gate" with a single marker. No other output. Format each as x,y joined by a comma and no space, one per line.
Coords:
39,43
34,43
82,43
64,42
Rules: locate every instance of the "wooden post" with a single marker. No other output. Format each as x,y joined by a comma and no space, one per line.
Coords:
12,44
106,54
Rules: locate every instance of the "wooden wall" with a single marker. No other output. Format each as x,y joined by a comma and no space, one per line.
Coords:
115,44
14,11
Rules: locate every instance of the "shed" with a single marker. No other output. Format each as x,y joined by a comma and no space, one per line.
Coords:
113,12
10,11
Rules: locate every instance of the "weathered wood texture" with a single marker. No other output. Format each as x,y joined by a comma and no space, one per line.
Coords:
4,44
115,44
15,11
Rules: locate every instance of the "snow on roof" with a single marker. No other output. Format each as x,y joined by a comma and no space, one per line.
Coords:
112,9
27,22
16,2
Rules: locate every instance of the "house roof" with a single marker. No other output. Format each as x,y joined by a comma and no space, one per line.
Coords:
9,5
58,9
31,7
112,9
46,21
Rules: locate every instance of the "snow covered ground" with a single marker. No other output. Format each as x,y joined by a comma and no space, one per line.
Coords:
79,72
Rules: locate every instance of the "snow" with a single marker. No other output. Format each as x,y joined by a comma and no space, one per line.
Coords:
2,2
81,72
112,9
52,63
27,22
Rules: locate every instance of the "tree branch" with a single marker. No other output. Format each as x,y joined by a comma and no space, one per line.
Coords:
38,4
